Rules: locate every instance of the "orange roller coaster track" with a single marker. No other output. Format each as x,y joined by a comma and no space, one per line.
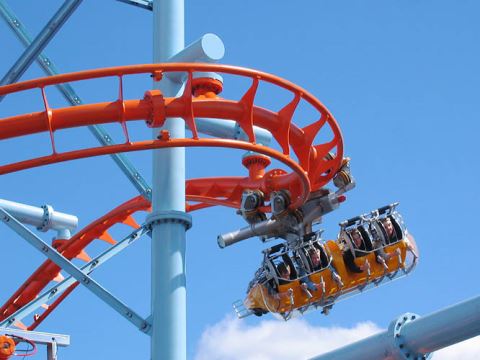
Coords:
315,166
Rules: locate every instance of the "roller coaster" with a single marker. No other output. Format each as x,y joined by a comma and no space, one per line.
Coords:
302,272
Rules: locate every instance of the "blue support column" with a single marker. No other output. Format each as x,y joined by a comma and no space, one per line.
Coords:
411,337
169,221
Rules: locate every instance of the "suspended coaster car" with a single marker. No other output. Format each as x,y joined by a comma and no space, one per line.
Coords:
315,274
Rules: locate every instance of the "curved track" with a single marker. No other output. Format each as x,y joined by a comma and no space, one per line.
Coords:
310,170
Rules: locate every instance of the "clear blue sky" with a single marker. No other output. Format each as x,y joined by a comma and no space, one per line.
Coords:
401,78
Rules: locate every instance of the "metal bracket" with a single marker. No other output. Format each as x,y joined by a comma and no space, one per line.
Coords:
46,219
169,217
395,330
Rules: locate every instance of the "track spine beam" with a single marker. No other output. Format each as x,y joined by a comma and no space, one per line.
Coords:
73,270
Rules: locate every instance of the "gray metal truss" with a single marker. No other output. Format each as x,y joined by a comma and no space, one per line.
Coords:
74,271
56,290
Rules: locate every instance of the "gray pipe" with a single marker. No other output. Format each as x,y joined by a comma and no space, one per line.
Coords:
414,337
266,227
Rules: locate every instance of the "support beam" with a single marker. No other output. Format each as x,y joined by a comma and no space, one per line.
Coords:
40,338
42,39
43,218
52,351
70,95
414,337
208,48
229,129
144,4
70,268
58,289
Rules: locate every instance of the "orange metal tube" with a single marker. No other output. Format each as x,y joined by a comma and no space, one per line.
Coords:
206,192
131,110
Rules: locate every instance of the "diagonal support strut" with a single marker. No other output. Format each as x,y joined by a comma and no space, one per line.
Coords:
56,290
74,271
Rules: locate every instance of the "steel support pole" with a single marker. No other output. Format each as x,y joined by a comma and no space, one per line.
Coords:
411,337
168,218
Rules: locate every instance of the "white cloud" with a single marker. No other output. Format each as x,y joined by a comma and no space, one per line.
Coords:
466,350
233,339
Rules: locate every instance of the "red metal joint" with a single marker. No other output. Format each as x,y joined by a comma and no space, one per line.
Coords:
157,103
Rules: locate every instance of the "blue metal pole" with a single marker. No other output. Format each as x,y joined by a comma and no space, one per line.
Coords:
414,337
42,39
169,221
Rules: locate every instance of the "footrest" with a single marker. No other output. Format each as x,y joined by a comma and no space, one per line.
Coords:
241,310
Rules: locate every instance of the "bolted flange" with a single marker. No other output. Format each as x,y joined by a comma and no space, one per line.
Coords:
169,217
46,218
400,348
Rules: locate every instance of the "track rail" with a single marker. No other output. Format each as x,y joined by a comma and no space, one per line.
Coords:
312,167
